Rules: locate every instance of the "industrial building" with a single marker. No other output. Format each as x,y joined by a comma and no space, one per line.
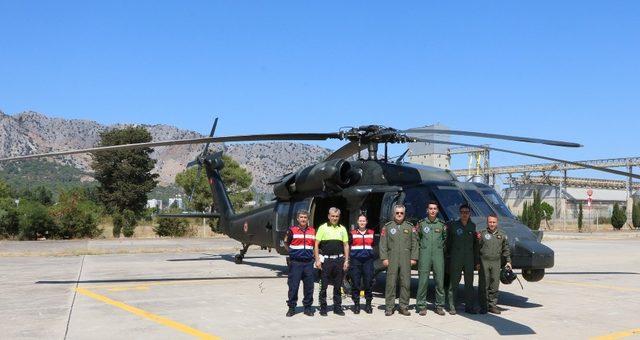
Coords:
563,193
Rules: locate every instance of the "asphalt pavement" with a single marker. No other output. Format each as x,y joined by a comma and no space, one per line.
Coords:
192,288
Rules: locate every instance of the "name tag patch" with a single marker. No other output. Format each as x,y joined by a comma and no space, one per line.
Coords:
499,237
438,230
406,231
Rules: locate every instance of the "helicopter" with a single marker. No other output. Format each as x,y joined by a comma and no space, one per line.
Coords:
357,183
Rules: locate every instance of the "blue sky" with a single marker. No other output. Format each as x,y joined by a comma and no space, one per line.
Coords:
562,70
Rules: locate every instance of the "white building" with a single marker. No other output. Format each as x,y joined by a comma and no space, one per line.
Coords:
154,204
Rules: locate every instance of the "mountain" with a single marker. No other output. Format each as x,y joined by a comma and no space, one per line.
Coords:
32,132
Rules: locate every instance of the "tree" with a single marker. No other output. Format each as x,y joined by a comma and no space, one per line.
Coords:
9,218
536,211
580,217
635,215
35,221
5,189
117,220
618,217
124,175
524,218
39,194
237,180
130,221
77,216
547,212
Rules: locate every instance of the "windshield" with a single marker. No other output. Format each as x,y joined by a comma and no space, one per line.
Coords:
479,202
450,199
497,203
415,201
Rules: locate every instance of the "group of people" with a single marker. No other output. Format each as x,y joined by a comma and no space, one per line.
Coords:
431,244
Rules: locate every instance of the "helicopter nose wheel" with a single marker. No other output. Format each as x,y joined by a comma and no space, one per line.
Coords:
243,251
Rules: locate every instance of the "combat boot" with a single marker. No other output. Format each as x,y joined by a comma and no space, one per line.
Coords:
494,310
308,311
404,311
439,310
323,310
291,311
367,308
338,311
356,308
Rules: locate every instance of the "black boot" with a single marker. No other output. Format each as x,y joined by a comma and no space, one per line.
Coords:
323,310
291,311
356,308
367,308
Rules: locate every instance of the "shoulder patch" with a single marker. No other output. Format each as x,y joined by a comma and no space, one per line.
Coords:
383,231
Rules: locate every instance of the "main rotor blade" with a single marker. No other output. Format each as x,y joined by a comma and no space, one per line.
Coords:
493,136
213,131
611,171
346,151
241,138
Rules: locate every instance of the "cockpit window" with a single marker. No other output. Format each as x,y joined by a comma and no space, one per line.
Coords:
497,202
415,201
479,202
450,199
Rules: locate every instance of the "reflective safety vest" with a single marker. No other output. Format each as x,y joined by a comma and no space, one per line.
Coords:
362,244
301,243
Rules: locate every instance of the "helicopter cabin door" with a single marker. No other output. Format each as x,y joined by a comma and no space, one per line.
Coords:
285,216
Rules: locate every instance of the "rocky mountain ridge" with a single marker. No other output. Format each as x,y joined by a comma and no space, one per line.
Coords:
32,132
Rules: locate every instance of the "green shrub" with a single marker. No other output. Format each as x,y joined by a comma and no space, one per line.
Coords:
117,221
580,217
35,221
9,221
130,221
618,217
77,216
174,227
635,215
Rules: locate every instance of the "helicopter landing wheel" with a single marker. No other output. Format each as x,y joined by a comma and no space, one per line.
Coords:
243,251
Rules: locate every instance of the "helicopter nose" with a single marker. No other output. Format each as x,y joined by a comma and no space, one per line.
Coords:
532,254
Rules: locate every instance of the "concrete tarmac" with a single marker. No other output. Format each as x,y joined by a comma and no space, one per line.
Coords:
592,291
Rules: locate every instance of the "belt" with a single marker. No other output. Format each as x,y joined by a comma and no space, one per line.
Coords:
333,256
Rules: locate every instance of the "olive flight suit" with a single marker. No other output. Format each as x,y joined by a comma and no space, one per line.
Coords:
398,244
431,237
461,246
493,248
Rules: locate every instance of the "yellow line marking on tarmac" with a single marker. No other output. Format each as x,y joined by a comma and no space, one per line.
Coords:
594,285
147,315
618,335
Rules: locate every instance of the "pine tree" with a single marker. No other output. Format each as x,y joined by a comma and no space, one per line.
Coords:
618,217
635,215
536,211
525,214
580,217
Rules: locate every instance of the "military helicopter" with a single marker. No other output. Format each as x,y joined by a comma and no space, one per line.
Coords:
362,184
